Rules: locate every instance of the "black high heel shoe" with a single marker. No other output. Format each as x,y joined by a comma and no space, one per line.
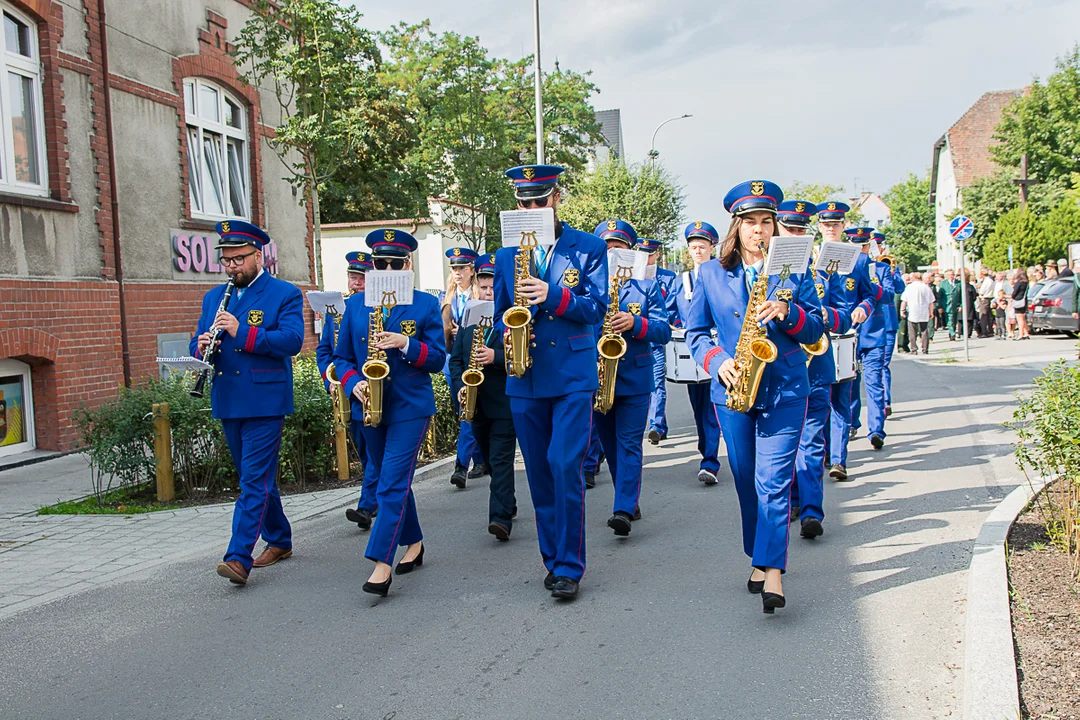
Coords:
755,586
771,601
404,567
380,589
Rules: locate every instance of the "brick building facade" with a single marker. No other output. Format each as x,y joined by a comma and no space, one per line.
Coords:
109,193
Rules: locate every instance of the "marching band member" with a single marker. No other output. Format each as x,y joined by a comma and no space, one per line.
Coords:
492,425
252,391
642,321
872,342
701,239
460,288
666,280
892,320
358,264
762,442
552,402
412,339
807,497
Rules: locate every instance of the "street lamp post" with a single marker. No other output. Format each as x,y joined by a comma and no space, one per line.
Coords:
539,87
652,145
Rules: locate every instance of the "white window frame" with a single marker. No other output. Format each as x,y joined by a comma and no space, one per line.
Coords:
15,367
200,126
28,67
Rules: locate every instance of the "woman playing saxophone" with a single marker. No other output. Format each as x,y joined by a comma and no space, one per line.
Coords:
760,404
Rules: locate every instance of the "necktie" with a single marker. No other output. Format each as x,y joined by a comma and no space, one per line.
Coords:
385,315
751,276
240,293
541,260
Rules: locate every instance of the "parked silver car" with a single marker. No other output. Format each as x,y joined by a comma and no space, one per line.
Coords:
1052,309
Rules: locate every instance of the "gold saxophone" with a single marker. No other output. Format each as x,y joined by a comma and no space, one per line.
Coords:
474,374
342,406
611,347
752,352
886,259
822,345
376,369
518,319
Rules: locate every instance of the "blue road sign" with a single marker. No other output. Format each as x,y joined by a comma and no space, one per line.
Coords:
961,228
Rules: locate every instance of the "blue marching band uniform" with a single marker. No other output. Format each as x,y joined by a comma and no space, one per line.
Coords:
468,451
778,448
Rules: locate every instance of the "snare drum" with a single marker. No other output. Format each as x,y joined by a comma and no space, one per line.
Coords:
681,367
843,348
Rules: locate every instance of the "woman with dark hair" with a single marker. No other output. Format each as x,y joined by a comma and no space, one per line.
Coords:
1019,302
763,441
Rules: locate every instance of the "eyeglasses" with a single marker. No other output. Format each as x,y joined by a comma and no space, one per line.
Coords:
389,263
235,260
538,202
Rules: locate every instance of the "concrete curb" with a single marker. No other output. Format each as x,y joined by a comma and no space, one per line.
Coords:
991,687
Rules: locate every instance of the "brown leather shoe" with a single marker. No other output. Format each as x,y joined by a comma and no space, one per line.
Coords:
270,556
234,571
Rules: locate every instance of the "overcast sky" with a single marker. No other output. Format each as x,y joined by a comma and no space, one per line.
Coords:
856,91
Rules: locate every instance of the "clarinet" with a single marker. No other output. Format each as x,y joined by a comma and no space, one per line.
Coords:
212,349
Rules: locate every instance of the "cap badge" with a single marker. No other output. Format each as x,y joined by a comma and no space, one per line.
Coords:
529,173
388,235
757,188
611,224
697,225
491,259
832,206
800,207
225,227
457,252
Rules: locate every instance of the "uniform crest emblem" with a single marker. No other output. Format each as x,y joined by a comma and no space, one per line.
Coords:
757,188
874,279
634,308
225,226
784,294
820,290
611,224
800,207
850,284
457,252
697,225
832,206
528,173
255,318
571,277
408,328
388,235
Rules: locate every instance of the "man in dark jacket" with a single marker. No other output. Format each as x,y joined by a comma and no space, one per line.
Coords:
493,424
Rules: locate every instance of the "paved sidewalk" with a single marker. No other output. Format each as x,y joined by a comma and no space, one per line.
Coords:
1036,353
25,489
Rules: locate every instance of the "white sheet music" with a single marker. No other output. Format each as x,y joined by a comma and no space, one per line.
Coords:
538,224
326,302
790,253
184,364
635,260
476,310
388,287
875,249
650,272
838,258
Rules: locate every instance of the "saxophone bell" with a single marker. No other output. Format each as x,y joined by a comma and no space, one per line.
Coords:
518,319
472,377
818,348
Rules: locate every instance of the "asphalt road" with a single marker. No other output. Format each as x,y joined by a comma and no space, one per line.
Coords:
664,627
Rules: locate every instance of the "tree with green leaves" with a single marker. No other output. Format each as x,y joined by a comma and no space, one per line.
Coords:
322,65
990,197
646,196
1024,232
818,193
910,230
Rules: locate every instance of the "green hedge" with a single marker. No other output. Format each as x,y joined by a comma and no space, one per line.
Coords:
1047,423
118,436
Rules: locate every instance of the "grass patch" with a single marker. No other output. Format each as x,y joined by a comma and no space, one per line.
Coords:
122,501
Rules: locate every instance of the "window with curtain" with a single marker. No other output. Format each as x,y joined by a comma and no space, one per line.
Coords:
218,179
22,167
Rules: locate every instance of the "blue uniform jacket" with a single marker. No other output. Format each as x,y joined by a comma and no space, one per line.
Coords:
720,302
682,303
892,315
837,317
670,287
407,393
642,299
860,291
564,349
253,373
324,351
872,332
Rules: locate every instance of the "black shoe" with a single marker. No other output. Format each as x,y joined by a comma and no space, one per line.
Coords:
852,433
838,473
811,528
479,470
654,437
549,582
601,459
500,531
513,513
888,410
637,513
620,523
755,587
458,478
796,510
771,601
590,480
360,516
877,441
707,477
564,589
380,589
404,568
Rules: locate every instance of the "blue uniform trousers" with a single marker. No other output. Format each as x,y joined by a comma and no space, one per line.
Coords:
856,399
890,345
810,463
467,448
658,400
761,447
255,444
370,484
708,431
553,434
873,364
840,421
393,450
620,432
592,454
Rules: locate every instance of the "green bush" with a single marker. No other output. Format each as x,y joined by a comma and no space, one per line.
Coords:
443,431
307,450
1047,424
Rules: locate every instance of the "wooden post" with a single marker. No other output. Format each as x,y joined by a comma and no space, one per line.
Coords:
163,452
341,447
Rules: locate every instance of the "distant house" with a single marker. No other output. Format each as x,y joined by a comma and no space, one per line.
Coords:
874,210
610,122
962,156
